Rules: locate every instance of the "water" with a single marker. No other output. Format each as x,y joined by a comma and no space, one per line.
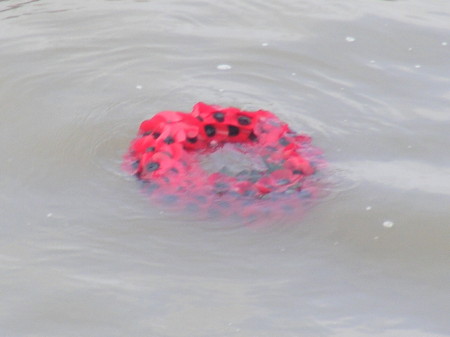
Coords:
83,253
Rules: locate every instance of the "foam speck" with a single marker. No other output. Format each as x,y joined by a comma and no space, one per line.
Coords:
224,67
388,224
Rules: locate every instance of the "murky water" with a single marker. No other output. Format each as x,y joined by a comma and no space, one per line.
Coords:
83,253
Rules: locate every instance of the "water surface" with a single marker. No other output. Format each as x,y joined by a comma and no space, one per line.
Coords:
84,253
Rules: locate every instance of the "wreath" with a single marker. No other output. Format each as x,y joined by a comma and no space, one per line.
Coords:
168,154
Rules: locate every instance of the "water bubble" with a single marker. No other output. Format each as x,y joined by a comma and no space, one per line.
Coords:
264,44
368,208
49,215
350,39
293,74
388,224
444,43
417,66
139,87
224,67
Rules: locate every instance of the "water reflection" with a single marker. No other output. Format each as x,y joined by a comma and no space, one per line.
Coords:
9,6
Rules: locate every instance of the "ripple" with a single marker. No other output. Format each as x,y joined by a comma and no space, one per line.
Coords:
400,174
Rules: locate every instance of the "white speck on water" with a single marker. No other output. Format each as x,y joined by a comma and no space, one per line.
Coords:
409,146
139,87
350,39
372,61
224,67
221,90
417,66
388,224
293,74
264,44
376,237
368,208
410,49
444,43
49,215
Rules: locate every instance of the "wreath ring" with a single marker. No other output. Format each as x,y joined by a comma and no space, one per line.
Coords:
166,154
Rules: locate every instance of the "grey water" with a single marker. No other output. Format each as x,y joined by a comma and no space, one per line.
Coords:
84,253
